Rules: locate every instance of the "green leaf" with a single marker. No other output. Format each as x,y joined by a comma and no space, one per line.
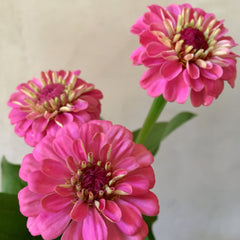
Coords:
12,223
161,130
150,221
11,183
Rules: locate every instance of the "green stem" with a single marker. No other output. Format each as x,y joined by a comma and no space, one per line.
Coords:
153,114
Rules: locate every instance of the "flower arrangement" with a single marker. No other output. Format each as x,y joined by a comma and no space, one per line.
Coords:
86,177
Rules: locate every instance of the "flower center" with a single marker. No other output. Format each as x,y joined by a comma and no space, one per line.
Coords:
94,179
50,91
194,37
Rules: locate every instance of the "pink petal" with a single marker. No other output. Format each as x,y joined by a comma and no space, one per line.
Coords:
131,218
123,188
41,183
128,163
171,69
138,27
149,18
33,226
39,125
149,77
136,56
64,190
23,126
214,73
87,133
54,203
112,211
71,129
55,169
196,84
94,226
60,147
98,141
73,231
29,202
177,90
79,105
193,70
45,150
147,37
153,49
52,225
214,87
139,184
105,152
79,151
143,156
200,98
157,87
146,203
118,132
147,172
29,164
79,211
17,115
64,118
121,150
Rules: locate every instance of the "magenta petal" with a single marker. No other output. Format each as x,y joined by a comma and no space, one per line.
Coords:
41,183
44,150
121,150
16,115
128,163
149,77
193,70
153,49
73,231
79,150
63,118
60,147
143,156
196,84
55,169
136,56
214,73
98,141
94,226
33,226
54,202
79,211
29,164
157,87
52,225
111,211
171,69
147,203
29,202
200,98
139,184
147,37
131,218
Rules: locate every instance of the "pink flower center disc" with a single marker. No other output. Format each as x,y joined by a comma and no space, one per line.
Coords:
51,91
194,37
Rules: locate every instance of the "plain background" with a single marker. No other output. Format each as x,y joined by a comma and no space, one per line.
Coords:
198,166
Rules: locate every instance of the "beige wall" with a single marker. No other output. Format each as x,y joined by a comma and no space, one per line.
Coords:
198,167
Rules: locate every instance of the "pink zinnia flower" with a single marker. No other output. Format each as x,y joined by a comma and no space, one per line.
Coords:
88,182
41,106
185,49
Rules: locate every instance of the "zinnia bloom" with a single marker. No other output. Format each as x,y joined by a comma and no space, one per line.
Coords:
44,105
185,50
88,182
